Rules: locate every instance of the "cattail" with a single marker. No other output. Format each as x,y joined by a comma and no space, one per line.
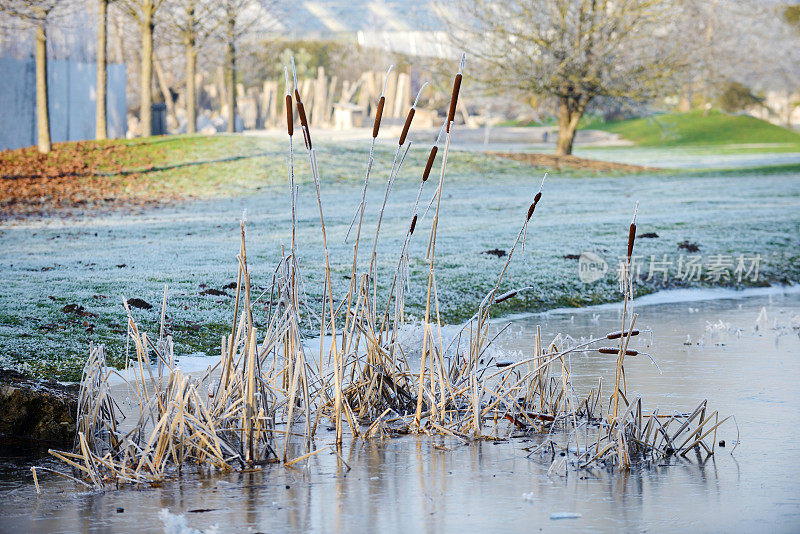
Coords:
617,335
631,237
289,119
451,114
632,233
289,113
410,116
533,205
413,225
301,113
429,165
505,296
301,110
377,125
612,350
407,125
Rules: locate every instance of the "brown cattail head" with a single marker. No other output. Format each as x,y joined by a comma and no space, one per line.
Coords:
505,296
377,125
429,165
407,126
413,225
301,109
533,205
451,114
631,238
301,113
289,118
617,335
613,350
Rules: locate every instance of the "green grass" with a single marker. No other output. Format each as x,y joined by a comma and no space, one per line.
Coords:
697,128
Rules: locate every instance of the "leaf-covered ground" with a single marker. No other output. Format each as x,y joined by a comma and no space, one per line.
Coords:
63,279
88,177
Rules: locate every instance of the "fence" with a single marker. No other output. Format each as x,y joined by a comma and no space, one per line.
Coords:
72,96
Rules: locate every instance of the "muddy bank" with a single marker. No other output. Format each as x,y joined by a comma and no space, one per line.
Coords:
34,412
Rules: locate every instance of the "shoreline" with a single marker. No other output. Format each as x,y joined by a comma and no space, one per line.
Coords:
200,362
670,296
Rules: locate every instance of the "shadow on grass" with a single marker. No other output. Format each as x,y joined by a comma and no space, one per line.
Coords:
139,171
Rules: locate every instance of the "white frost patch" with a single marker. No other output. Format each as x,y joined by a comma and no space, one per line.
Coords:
177,524
721,327
193,364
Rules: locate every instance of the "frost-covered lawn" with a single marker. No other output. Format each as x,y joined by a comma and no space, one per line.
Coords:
63,280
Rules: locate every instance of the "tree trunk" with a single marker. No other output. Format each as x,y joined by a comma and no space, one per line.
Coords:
101,131
685,102
230,75
146,81
569,113
119,29
42,108
165,92
191,90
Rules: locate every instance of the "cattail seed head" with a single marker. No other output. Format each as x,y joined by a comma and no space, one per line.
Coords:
407,126
289,118
533,205
413,225
378,114
617,335
505,296
631,238
429,165
613,350
301,113
301,109
451,114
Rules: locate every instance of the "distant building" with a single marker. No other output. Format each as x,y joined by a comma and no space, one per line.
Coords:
409,27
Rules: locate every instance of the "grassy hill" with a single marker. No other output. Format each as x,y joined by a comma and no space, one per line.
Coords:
697,128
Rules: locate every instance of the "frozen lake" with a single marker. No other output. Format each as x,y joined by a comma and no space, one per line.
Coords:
743,355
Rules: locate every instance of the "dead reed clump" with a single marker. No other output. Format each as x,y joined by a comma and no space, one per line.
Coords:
265,398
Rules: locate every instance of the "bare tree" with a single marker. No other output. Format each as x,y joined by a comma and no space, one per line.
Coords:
231,32
36,13
572,50
192,22
751,42
239,18
144,13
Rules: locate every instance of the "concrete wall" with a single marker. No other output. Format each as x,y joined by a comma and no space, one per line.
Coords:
72,96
